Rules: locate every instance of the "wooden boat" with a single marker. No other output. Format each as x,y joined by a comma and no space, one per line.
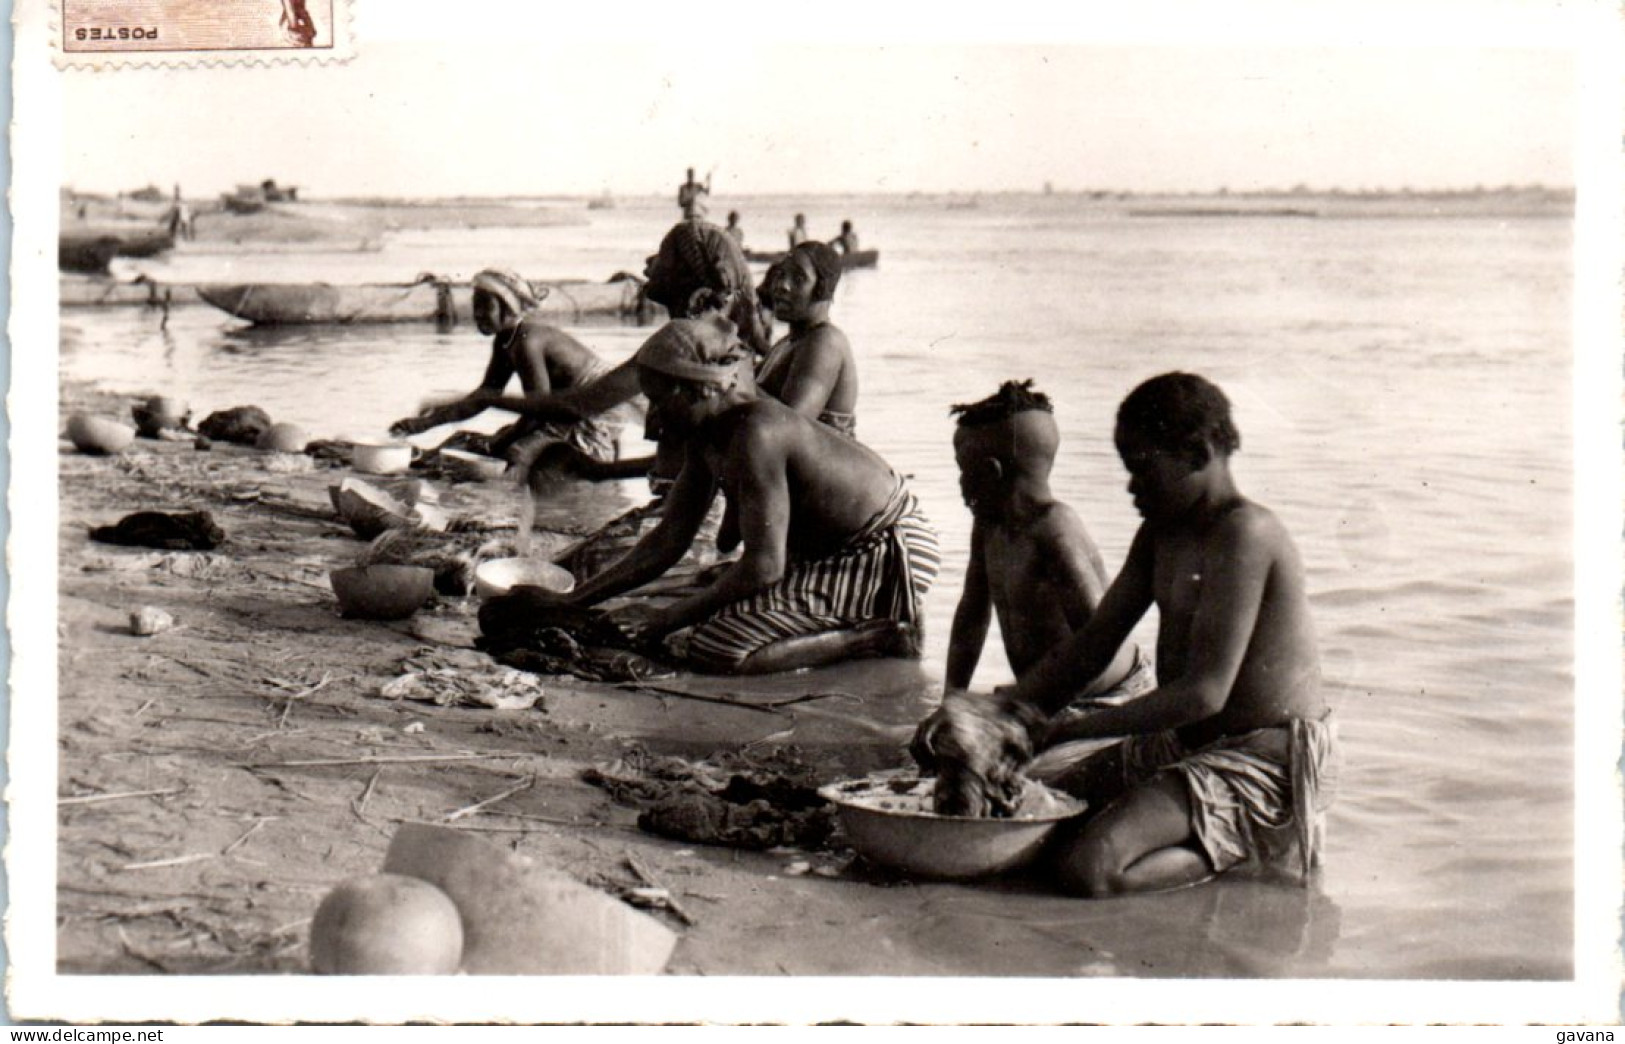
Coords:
241,204
427,300
89,247
856,259
251,199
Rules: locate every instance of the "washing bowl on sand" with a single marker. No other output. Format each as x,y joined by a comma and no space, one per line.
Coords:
91,433
381,458
889,822
382,592
501,575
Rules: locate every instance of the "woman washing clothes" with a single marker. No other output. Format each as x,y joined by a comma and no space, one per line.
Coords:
699,269
545,359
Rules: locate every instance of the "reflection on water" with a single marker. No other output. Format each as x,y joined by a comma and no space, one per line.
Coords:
1235,927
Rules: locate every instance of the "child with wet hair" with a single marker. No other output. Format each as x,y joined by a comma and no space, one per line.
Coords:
1032,562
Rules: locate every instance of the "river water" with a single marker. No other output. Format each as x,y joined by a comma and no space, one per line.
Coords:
1402,382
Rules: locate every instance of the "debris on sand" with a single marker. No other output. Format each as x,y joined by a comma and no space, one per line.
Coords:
148,621
431,676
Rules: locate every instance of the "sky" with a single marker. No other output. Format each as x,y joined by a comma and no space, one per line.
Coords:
502,102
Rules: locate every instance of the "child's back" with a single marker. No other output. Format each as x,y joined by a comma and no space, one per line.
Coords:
1044,576
1032,561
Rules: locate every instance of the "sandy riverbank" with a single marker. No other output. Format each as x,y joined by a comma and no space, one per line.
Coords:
220,869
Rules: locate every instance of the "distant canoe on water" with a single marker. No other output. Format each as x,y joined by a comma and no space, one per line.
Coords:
271,304
856,259
90,247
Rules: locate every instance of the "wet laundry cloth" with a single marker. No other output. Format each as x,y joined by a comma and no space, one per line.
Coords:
181,531
518,632
731,801
240,424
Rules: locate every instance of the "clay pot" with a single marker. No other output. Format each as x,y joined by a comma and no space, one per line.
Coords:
385,458
521,917
167,411
382,592
370,511
386,924
159,413
282,438
103,435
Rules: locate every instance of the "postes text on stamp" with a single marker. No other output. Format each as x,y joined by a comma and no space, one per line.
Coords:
103,30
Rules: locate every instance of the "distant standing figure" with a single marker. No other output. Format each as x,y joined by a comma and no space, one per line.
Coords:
180,217
847,241
693,197
734,229
798,231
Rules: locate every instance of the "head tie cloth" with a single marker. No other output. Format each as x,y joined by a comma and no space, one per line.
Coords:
507,287
826,265
704,350
696,256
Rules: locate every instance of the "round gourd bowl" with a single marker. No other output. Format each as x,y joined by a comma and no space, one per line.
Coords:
381,458
382,592
474,465
159,413
386,924
167,410
501,575
90,433
282,438
890,823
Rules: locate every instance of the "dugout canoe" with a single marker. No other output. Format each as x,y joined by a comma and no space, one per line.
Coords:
89,247
85,291
274,304
856,259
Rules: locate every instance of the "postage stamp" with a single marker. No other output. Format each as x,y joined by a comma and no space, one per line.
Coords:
304,347
108,32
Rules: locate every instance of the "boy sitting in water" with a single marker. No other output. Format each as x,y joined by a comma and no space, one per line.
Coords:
1232,755
1031,560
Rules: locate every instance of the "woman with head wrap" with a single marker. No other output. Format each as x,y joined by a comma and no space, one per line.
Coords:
837,555
811,370
697,270
546,360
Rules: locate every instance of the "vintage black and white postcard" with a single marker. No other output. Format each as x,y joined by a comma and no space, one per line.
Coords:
871,513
